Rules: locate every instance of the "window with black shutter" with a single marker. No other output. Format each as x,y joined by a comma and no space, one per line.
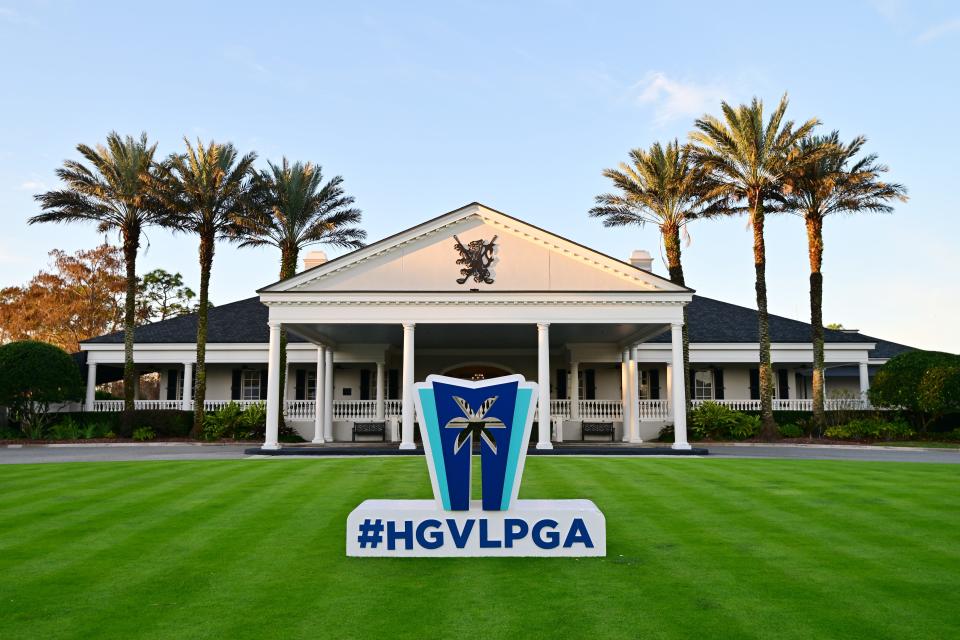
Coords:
654,384
301,388
365,384
590,384
235,385
754,384
718,383
561,384
172,376
393,384
784,388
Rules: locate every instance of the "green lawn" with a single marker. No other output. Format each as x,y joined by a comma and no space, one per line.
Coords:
697,548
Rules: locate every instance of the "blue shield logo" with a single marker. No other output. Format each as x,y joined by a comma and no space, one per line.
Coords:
494,415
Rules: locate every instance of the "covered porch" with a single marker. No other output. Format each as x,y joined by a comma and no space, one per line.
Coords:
588,369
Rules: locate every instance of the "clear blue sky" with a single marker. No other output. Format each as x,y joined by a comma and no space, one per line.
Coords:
423,107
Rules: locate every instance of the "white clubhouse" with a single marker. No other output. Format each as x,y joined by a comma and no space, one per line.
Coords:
604,336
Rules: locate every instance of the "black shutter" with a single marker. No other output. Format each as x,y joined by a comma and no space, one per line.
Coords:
393,384
590,384
172,376
654,384
691,383
561,384
754,384
263,384
235,385
718,383
782,383
301,389
365,384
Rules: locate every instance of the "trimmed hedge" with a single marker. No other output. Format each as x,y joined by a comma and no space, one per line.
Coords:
165,423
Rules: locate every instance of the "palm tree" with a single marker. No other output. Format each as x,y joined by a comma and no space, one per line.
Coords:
749,159
664,187
294,208
834,183
111,192
204,191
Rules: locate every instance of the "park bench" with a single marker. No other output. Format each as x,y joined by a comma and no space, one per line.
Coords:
370,429
596,428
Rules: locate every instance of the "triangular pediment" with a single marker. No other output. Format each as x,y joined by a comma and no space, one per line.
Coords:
484,248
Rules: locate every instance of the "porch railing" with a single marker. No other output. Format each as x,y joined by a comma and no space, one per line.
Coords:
599,410
793,404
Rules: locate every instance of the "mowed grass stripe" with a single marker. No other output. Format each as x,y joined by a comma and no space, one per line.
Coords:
789,534
126,509
163,542
257,527
710,548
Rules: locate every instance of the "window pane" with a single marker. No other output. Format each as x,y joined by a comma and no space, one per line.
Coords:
703,385
250,385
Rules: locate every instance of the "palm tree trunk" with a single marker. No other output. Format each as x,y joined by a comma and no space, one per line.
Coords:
200,394
768,429
288,267
131,242
671,242
815,249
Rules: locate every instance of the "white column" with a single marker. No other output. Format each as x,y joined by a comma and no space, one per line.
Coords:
677,396
407,410
318,396
635,395
273,389
669,395
380,392
187,386
328,394
91,385
629,369
625,403
574,386
864,380
543,380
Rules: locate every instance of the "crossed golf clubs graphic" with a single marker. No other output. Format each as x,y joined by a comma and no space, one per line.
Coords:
475,423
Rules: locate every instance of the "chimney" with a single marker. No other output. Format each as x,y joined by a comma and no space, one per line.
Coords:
314,259
641,258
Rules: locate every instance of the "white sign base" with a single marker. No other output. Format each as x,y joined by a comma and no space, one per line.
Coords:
420,528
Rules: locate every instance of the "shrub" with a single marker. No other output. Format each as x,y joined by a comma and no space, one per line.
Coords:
712,420
940,391
93,430
222,423
34,375
142,434
666,433
952,436
791,430
66,429
871,429
900,383
235,422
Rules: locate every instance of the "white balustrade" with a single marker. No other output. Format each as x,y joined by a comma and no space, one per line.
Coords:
600,410
654,410
590,410
355,410
392,408
216,405
108,405
791,404
300,409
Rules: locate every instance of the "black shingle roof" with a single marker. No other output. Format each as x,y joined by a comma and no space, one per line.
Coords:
241,321
245,321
